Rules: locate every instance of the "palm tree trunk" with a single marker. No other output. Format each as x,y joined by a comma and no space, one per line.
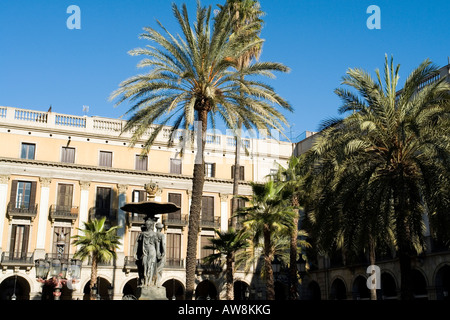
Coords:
198,181
229,278
293,280
268,257
403,240
237,165
373,290
93,281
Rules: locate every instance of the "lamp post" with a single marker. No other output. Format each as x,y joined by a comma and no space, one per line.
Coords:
276,265
57,271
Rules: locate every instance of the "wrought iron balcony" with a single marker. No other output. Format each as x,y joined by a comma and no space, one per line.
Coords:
174,263
63,213
135,219
175,221
22,210
202,267
213,223
17,260
98,213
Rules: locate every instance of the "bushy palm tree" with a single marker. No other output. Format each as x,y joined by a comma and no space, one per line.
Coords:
193,79
268,216
226,245
97,243
393,154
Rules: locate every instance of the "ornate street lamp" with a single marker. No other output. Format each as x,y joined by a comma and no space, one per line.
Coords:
42,267
276,265
57,270
301,265
111,292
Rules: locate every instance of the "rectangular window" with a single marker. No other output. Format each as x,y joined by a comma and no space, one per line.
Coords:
23,195
28,151
205,241
105,159
141,162
210,170
241,172
173,246
103,201
68,155
139,196
64,197
175,166
19,241
176,199
207,209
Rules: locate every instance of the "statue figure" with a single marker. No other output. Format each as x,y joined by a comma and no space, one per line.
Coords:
146,251
161,255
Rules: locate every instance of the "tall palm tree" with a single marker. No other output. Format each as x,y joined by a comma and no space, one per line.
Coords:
192,79
268,215
292,180
396,142
246,17
227,244
98,243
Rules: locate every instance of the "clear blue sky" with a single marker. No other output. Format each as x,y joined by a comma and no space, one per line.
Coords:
43,63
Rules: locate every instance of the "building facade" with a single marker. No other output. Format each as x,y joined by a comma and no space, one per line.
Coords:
57,171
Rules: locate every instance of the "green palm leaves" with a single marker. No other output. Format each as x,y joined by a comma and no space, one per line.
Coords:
196,72
97,242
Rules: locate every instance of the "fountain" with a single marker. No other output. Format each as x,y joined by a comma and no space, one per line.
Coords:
150,247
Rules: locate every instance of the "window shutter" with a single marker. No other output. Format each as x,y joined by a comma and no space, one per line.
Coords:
26,236
142,195
207,208
13,240
175,198
12,198
33,194
213,170
241,172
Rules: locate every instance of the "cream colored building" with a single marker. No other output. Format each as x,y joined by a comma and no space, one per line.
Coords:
58,170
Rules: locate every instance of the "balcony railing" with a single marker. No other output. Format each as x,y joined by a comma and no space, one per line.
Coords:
63,213
98,213
213,223
207,268
135,219
106,126
65,257
174,221
17,259
174,263
22,210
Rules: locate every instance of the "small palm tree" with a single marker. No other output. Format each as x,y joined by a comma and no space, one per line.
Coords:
268,214
227,244
98,243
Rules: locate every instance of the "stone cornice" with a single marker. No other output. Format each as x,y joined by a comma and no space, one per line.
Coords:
50,164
